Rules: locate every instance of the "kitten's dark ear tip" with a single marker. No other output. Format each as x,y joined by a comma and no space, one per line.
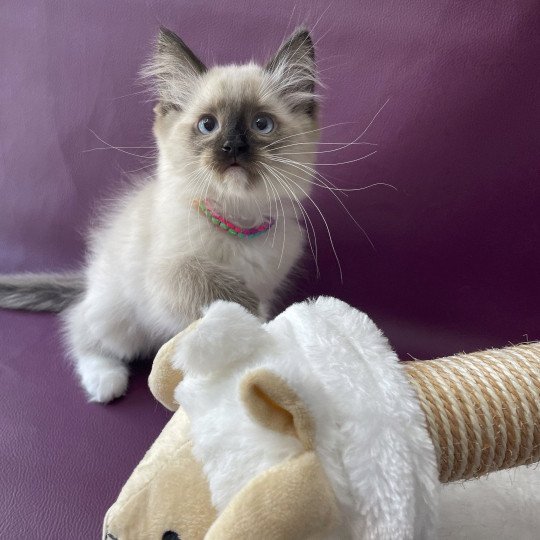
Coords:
302,36
297,47
170,43
165,33
166,36
301,32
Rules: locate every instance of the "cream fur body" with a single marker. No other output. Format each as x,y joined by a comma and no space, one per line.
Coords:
128,306
156,261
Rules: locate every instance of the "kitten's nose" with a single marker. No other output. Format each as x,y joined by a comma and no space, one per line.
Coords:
236,146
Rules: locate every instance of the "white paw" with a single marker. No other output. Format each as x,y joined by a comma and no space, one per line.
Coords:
104,379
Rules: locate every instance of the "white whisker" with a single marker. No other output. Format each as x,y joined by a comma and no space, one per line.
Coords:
118,148
306,133
312,245
343,162
341,145
329,188
346,210
325,224
284,223
311,173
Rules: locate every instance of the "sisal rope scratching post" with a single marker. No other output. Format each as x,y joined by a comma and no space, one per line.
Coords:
482,409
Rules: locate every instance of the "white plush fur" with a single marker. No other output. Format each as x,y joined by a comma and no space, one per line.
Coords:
381,445
227,334
501,506
369,433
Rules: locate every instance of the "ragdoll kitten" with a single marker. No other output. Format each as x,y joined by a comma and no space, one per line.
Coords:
217,221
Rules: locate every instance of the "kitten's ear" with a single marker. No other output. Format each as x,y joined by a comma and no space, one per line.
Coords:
174,68
173,49
293,68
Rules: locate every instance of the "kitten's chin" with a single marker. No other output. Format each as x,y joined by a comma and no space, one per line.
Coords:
236,183
236,177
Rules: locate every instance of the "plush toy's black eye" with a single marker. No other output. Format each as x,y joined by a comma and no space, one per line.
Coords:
170,535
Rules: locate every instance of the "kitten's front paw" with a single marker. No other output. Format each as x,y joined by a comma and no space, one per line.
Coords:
104,379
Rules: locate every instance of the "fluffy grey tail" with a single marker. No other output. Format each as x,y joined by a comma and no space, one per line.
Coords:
40,292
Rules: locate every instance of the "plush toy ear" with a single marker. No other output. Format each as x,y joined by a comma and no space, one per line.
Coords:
226,334
164,378
275,405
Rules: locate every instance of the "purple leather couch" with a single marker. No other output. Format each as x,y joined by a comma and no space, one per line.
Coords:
455,260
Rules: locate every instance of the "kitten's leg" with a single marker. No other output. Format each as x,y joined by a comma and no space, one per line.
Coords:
192,284
265,311
102,341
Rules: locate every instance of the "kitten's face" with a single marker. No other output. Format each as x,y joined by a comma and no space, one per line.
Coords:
245,132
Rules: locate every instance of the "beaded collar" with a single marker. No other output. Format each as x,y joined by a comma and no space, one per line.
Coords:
207,208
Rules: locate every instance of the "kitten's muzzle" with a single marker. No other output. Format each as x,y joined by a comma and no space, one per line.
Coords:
235,146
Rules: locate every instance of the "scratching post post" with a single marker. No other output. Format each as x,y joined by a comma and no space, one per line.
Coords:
482,409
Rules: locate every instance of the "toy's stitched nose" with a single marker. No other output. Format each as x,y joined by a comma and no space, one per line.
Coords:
170,535
236,146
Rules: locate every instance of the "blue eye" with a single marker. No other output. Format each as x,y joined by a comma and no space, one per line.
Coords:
263,124
207,124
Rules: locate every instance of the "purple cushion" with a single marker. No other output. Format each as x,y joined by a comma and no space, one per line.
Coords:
62,460
456,257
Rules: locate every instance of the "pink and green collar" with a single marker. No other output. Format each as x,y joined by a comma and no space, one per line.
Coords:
206,208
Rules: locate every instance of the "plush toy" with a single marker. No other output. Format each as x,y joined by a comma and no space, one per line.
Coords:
309,427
